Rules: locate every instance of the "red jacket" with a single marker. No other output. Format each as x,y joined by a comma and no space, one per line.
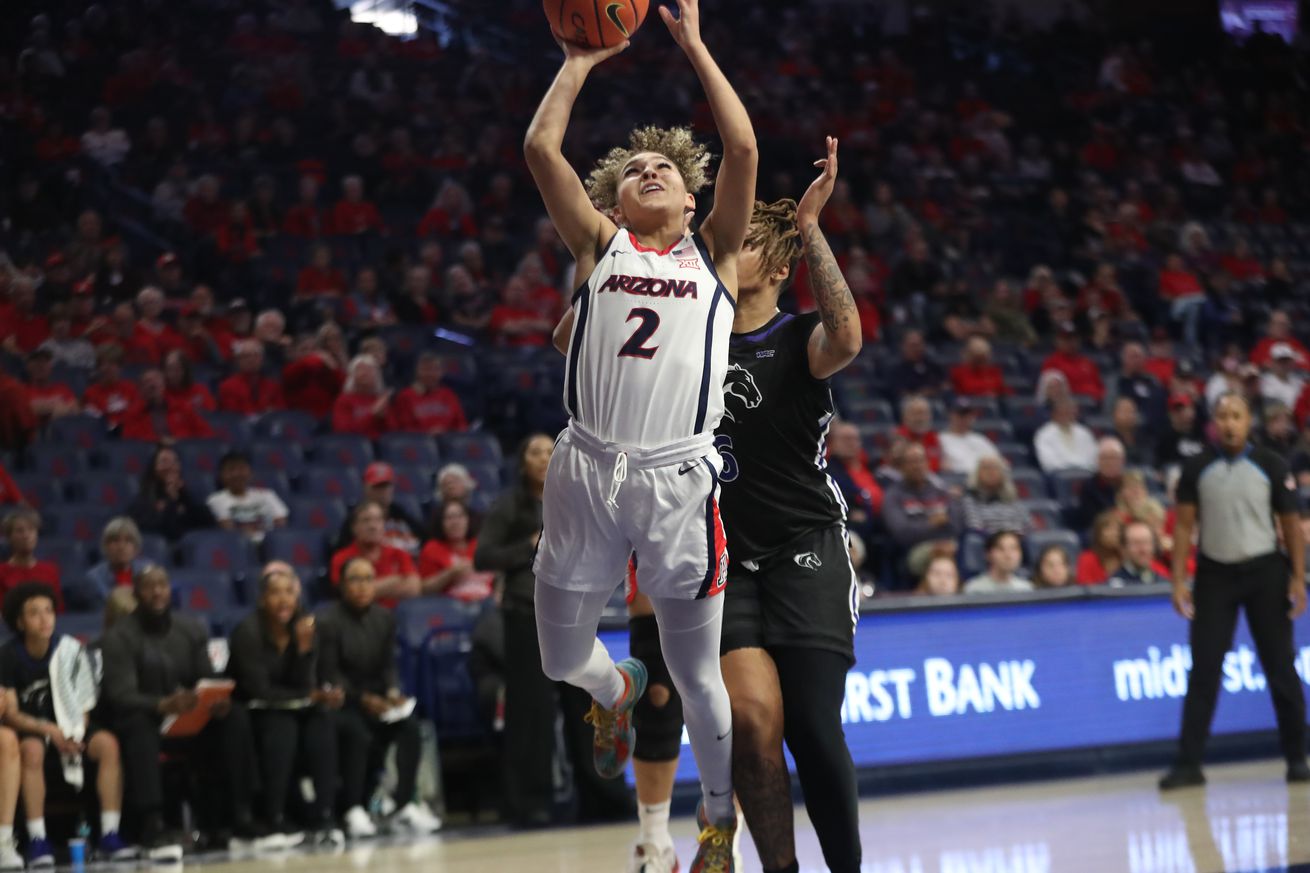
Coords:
312,385
9,490
163,337
1176,284
973,381
436,411
151,425
1084,378
1262,356
312,282
305,222
349,218
932,446
391,562
197,397
111,401
353,413
46,572
249,395
29,331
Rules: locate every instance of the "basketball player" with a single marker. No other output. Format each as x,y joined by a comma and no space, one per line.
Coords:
791,604
636,470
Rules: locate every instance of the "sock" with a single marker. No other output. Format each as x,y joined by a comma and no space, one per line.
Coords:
654,819
793,867
109,822
36,828
6,834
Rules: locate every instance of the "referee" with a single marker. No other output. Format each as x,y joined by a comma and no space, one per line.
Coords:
1239,495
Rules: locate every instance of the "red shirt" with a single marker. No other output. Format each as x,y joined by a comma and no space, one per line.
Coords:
46,572
9,490
197,397
437,222
53,391
312,385
437,557
1090,569
974,381
1262,355
436,411
354,413
354,218
1241,269
505,315
28,330
1084,378
1177,284
151,425
313,282
1161,368
111,401
932,446
306,222
390,562
249,395
162,337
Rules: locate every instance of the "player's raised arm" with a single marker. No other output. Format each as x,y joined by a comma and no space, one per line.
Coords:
838,338
734,188
580,226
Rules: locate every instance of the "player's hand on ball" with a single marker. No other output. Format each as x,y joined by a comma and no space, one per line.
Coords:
1183,602
686,27
587,56
816,196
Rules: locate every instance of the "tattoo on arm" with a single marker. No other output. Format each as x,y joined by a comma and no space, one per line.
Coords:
831,292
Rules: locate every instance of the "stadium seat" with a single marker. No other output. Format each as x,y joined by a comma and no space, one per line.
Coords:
486,475
343,450
155,548
201,456
58,462
304,549
1066,485
1016,453
41,491
1045,513
288,424
1065,539
128,457
1029,483
317,513
468,448
69,554
83,523
412,506
872,410
447,694
998,430
409,449
274,480
332,482
230,427
419,617
203,590
222,551
81,432
111,490
277,454
414,481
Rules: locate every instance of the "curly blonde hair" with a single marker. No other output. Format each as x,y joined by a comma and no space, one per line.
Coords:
774,233
677,144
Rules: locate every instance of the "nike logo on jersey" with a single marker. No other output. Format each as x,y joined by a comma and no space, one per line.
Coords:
808,560
739,386
648,286
687,467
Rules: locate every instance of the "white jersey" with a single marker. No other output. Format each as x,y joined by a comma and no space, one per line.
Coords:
649,351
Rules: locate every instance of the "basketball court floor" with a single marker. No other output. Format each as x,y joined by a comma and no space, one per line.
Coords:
1248,819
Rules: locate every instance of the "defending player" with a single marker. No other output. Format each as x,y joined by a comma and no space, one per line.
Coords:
636,470
791,604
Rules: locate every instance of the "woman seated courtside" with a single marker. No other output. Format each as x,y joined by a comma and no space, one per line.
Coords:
357,653
50,706
274,660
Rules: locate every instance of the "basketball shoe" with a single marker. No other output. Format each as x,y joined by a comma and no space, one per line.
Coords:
715,851
650,858
615,736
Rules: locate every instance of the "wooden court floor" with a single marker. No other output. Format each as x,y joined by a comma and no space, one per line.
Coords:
1248,819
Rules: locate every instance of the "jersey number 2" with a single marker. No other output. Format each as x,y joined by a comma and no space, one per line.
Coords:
636,347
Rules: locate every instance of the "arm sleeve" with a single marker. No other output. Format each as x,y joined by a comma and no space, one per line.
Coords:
1282,486
495,549
119,686
1187,490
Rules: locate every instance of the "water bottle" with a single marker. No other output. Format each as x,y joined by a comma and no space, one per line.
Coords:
77,845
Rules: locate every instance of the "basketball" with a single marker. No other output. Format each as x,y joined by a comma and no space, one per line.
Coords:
595,23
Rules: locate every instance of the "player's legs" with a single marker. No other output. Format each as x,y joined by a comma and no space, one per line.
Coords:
658,722
567,622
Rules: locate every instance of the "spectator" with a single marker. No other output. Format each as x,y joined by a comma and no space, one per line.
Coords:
427,406
466,301
151,326
153,419
247,391
1135,383
22,530
312,381
180,386
849,469
922,517
991,503
320,279
274,660
51,691
941,578
164,505
446,563
451,214
515,322
1052,568
917,373
48,399
103,143
357,645
1100,491
455,483
306,219
154,658
10,493
239,507
1279,430
506,545
205,209
397,576
916,427
1184,437
1127,429
977,376
353,215
68,349
1279,332
412,305
120,561
1004,557
402,528
1135,503
1139,565
22,327
364,405
367,308
270,332
1006,318
1081,371
17,424
1101,559
1062,443
962,446
1281,383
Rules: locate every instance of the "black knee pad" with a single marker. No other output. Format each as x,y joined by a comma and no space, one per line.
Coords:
659,728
